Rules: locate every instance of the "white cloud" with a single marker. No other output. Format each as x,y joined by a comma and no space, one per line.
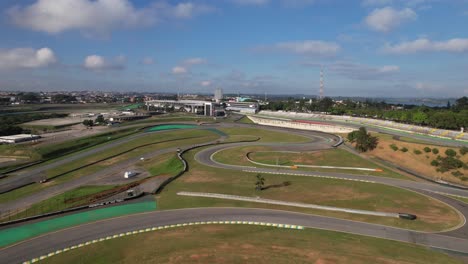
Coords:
309,47
251,2
97,16
386,19
186,10
179,70
26,58
426,45
194,61
147,61
389,68
205,83
99,63
55,16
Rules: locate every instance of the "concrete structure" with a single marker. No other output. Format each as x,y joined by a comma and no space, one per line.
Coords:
218,95
18,138
191,106
441,133
243,107
297,124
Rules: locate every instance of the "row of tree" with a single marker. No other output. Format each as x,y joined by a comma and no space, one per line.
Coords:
450,117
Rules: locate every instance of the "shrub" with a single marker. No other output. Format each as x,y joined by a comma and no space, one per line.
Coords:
435,163
450,153
442,170
464,150
427,149
457,173
435,150
417,152
404,149
394,147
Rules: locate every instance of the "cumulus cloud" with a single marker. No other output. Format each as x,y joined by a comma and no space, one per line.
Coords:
99,63
26,58
97,16
426,45
179,70
306,47
386,19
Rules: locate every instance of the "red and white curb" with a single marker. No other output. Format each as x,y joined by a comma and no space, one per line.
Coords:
34,260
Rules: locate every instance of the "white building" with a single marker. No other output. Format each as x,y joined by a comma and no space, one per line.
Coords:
218,95
18,138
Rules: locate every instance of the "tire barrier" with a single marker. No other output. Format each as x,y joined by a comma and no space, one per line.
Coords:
157,228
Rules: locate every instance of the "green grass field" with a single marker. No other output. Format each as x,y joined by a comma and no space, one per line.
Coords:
167,164
265,135
53,152
331,157
250,244
200,136
245,120
76,197
432,215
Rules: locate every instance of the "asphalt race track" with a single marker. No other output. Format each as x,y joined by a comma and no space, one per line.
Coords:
454,240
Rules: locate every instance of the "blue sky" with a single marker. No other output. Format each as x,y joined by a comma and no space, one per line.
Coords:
395,48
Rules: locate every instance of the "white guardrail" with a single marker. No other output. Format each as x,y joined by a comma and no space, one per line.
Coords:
303,205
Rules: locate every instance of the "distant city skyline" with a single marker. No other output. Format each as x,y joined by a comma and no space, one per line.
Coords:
369,48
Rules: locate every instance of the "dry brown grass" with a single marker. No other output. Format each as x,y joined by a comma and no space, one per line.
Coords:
418,163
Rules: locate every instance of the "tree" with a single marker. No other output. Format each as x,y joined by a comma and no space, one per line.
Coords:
88,122
62,98
450,153
259,183
364,141
99,119
420,118
462,103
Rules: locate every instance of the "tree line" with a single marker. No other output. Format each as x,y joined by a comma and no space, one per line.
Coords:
450,117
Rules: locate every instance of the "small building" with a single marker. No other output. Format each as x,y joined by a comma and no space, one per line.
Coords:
243,107
18,138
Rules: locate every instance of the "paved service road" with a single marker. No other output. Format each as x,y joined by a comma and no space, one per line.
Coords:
38,246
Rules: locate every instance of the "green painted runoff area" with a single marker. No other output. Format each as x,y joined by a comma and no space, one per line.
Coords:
169,127
183,126
15,234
